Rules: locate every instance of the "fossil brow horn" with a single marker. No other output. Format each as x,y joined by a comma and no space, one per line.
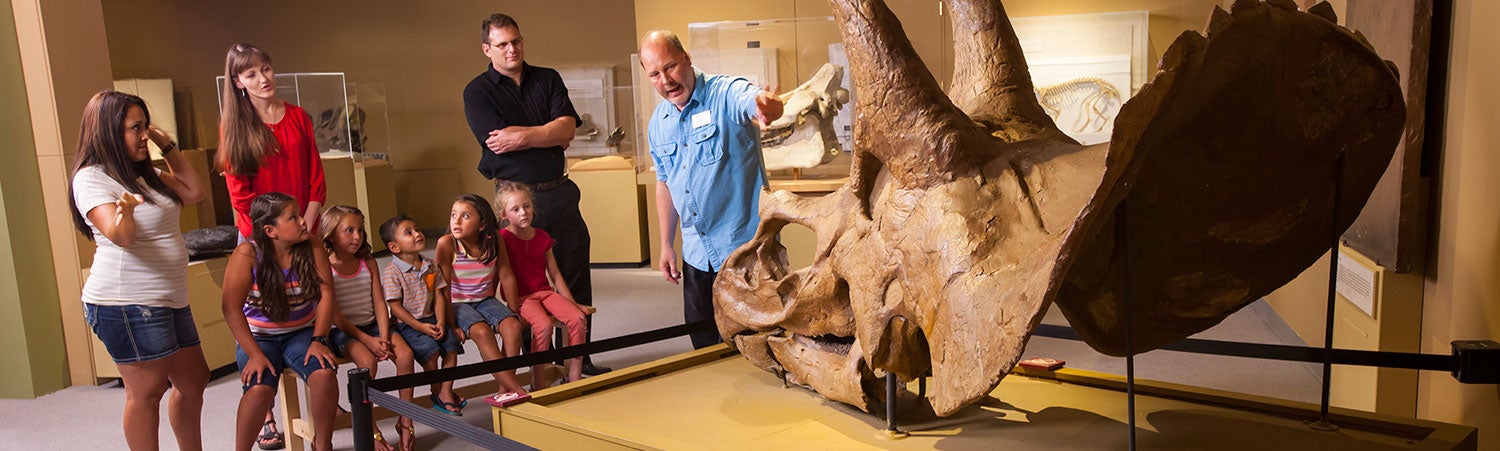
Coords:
905,119
991,81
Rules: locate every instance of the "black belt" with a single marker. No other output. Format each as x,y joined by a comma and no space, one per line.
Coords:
540,186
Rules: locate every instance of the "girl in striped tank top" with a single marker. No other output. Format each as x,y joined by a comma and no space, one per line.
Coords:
473,259
279,306
363,320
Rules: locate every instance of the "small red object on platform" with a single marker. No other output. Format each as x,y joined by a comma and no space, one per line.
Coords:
1043,363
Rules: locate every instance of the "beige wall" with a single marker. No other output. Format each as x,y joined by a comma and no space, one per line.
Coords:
62,62
1463,268
927,30
28,312
424,54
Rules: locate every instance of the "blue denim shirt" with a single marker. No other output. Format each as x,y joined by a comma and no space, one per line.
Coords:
709,156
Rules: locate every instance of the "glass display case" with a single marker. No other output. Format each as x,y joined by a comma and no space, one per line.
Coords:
368,121
607,112
325,96
797,55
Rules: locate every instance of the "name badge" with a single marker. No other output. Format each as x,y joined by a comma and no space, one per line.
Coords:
701,119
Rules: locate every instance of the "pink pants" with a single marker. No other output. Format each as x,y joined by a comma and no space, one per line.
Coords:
536,306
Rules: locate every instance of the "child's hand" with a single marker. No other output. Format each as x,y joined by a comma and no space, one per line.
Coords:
376,347
253,369
316,350
460,335
434,331
387,349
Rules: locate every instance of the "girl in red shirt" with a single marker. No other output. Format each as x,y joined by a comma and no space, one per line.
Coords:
265,144
530,253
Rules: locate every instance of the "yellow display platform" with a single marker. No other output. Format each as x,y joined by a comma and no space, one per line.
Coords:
714,399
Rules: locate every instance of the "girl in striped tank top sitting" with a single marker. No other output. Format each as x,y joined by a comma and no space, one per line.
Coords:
473,259
363,320
540,285
279,305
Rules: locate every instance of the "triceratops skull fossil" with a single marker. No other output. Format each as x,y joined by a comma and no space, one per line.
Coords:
967,214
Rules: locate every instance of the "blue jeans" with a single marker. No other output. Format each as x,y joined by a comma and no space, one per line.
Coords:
489,311
284,351
340,339
422,345
138,333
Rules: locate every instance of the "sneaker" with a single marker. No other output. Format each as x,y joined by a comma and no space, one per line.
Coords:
589,369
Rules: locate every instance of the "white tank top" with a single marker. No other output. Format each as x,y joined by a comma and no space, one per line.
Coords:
353,296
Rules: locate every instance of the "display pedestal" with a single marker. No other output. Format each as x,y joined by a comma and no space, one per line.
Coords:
612,204
714,399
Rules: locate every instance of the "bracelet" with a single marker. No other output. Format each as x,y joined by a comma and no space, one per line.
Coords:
322,339
171,146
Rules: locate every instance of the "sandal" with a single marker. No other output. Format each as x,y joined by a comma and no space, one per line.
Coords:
407,433
269,437
380,443
451,408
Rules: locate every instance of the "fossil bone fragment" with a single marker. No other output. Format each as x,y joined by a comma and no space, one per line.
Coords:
803,136
967,214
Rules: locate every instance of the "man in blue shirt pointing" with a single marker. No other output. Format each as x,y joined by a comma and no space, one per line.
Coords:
705,146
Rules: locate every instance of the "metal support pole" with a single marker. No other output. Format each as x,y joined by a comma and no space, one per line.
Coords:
1333,275
361,417
1122,242
890,403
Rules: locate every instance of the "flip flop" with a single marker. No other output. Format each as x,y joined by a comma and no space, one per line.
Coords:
449,408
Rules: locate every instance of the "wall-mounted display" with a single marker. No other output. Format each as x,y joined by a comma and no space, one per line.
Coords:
1084,67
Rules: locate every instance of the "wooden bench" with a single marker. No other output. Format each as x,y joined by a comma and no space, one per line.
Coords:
299,430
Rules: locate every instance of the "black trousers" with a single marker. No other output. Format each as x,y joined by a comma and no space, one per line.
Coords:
557,213
698,303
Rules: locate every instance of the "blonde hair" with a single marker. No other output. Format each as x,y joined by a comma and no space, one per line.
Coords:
330,223
507,188
244,140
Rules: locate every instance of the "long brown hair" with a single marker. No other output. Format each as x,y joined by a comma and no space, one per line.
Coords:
489,231
265,210
244,140
330,223
101,141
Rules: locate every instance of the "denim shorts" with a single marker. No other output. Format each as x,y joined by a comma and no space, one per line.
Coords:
138,333
422,345
284,351
341,339
489,311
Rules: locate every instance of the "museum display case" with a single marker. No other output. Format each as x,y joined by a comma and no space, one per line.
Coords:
325,97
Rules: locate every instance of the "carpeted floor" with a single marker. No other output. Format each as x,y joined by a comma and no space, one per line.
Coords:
629,301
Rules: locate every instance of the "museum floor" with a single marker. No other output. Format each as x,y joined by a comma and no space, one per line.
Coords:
633,300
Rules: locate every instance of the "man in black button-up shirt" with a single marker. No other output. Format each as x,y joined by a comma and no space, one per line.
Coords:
521,116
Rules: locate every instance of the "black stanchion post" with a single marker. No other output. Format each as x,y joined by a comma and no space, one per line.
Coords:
1333,282
1122,242
362,419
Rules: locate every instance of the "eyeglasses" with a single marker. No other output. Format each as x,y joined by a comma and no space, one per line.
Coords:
503,45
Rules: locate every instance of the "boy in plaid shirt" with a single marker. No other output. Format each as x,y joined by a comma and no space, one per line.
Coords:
414,289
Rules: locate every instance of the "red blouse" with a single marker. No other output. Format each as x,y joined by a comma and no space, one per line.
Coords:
296,170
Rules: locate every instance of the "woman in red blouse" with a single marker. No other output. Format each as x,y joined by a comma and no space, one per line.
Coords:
265,144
